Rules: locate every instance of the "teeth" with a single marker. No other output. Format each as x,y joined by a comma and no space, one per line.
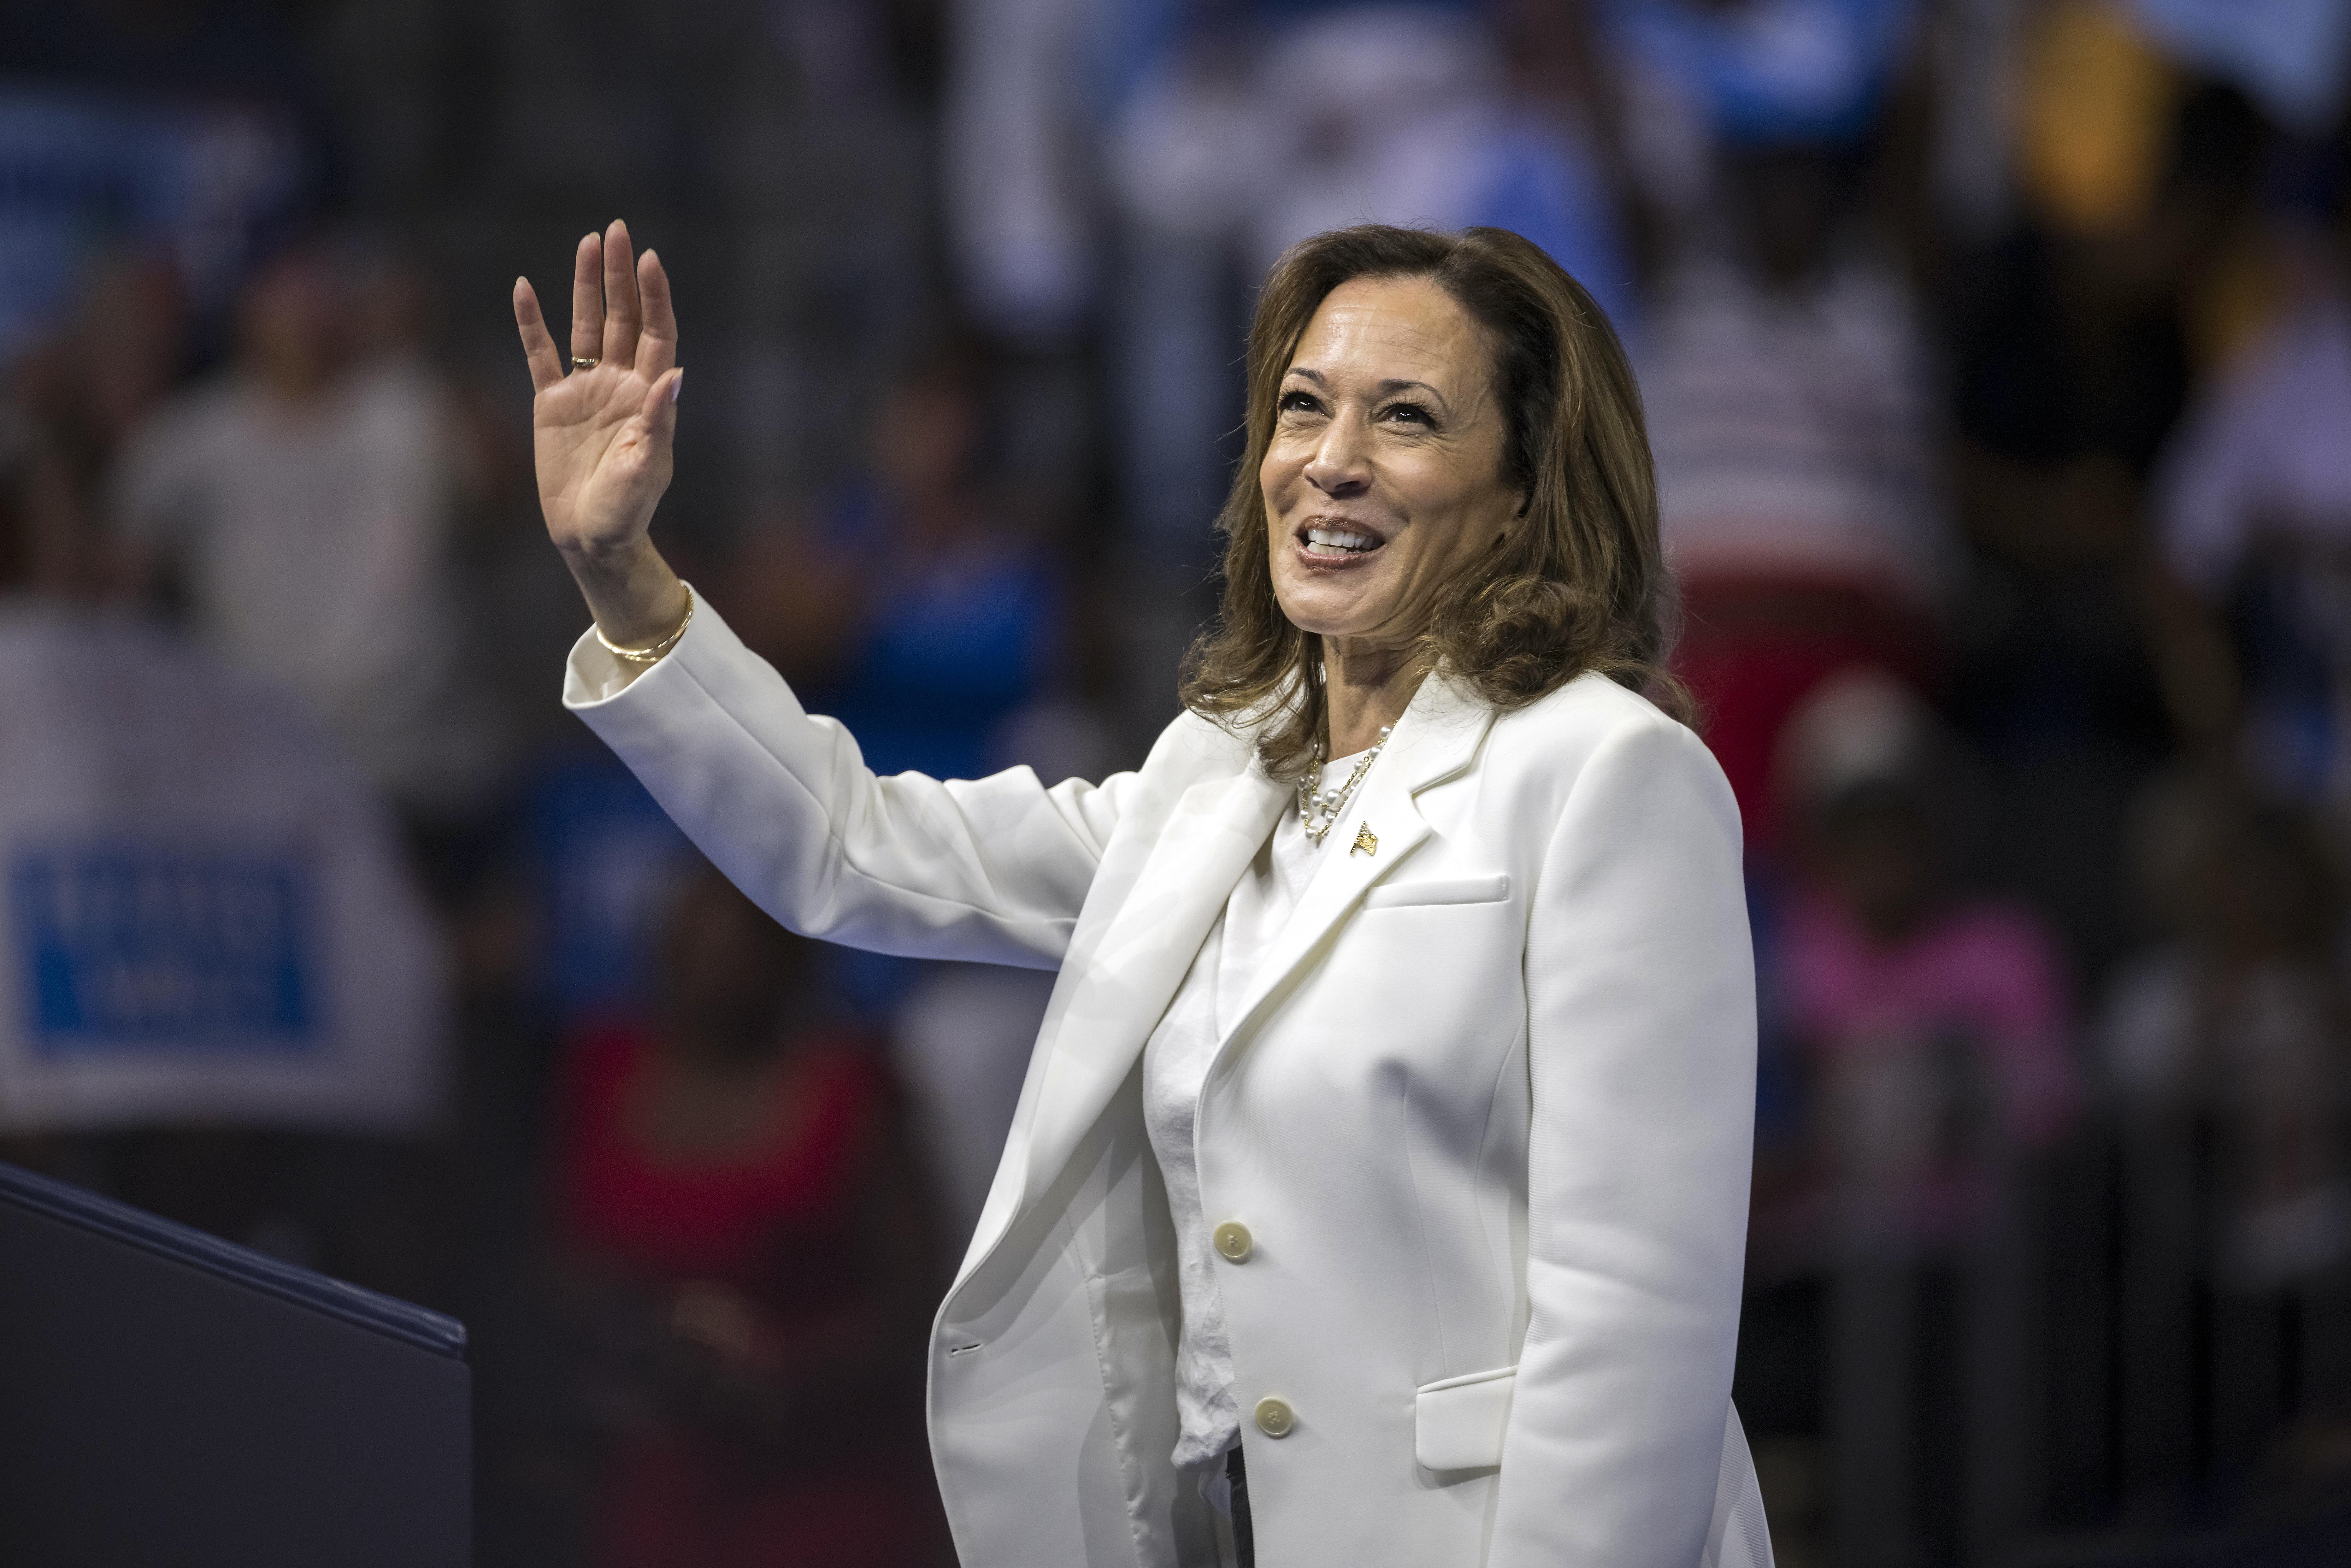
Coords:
1340,538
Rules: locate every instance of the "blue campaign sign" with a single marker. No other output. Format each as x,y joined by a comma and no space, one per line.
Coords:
154,948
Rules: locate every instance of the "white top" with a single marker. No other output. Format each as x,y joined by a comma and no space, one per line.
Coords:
1176,1065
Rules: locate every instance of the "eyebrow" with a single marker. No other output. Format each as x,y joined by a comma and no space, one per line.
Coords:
1393,384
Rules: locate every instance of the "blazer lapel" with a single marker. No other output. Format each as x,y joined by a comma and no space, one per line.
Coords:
1099,1027
1437,738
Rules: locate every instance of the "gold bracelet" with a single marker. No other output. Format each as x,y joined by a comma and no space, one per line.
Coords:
650,655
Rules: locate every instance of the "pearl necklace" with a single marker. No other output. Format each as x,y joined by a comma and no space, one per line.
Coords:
1319,809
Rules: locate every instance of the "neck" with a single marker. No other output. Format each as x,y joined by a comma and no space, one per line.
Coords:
1366,685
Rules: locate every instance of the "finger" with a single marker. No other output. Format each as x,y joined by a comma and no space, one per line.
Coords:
657,342
658,411
587,298
620,313
538,346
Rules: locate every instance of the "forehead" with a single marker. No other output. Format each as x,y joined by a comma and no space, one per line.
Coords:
1394,329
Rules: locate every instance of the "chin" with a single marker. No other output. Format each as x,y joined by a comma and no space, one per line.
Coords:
1316,608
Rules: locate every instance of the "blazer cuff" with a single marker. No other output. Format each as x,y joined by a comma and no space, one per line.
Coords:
593,676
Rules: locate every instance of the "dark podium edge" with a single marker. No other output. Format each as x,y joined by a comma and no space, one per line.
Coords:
404,1321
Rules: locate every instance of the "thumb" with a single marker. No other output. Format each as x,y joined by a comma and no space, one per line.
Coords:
658,411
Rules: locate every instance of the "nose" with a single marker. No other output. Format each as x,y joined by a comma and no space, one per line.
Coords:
1341,463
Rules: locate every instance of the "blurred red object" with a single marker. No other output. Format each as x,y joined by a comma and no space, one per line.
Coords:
770,1282
1754,648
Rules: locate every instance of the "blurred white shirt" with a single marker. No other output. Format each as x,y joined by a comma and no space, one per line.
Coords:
1794,434
2266,451
313,542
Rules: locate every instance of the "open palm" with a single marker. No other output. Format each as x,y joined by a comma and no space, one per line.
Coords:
602,432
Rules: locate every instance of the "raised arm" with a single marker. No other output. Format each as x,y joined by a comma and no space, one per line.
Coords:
993,869
989,870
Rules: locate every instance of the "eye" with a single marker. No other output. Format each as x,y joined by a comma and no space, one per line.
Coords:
1296,401
1410,413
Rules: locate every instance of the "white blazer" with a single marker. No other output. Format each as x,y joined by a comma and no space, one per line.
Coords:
1486,1115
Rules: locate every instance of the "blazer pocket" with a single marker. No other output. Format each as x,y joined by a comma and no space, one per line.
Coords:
1490,889
1457,1423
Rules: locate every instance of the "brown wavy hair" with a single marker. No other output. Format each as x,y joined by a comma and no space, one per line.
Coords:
1582,587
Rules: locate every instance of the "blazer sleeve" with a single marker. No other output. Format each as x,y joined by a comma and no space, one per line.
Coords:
991,870
1640,1051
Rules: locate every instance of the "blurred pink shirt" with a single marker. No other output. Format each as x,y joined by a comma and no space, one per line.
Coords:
1934,1055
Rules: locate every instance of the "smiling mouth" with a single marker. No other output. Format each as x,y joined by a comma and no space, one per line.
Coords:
1334,542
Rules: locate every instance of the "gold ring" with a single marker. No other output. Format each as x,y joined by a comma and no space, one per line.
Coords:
587,364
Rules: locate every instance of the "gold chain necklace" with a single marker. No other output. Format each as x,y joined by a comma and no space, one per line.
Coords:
1319,809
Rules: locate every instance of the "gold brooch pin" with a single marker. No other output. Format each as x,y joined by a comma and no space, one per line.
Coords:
1365,839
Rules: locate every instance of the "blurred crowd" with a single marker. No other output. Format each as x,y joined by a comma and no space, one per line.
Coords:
1997,357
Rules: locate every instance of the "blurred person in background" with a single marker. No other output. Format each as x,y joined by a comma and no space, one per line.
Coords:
1929,1034
2080,663
917,608
88,386
1789,386
1790,399
910,605
2253,497
222,997
2227,1047
297,507
751,1251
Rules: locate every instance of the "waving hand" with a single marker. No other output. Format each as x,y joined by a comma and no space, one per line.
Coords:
601,430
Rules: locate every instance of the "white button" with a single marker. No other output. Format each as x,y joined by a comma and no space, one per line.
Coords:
1275,1418
1233,1241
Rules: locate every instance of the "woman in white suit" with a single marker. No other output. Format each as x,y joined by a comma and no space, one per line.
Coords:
1385,1147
